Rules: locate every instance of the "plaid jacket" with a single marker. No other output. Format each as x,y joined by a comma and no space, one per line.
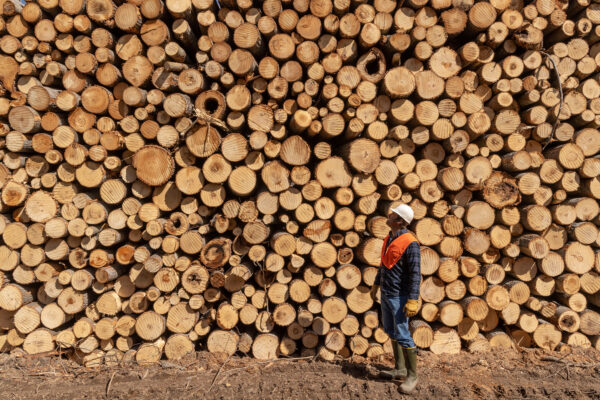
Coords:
404,278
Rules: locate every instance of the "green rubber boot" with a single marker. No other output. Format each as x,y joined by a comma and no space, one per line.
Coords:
410,383
400,370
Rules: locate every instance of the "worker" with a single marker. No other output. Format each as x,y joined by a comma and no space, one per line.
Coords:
399,277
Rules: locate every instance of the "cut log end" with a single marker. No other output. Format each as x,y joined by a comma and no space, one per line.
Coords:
154,165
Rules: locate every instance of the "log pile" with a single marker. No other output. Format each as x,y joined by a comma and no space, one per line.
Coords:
195,174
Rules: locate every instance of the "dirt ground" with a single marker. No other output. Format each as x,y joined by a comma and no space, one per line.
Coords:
508,374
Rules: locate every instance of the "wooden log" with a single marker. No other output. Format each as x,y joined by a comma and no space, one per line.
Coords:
154,166
546,336
445,341
13,296
39,341
589,322
399,82
24,119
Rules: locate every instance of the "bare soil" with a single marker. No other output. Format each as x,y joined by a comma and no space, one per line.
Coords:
507,374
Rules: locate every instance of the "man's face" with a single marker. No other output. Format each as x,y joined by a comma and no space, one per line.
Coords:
394,221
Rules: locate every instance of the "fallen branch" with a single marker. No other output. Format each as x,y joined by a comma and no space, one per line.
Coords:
110,383
569,364
218,372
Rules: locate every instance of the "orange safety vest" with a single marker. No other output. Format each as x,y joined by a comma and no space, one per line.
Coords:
390,257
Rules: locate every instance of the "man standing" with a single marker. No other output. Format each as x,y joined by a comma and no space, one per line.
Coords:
399,277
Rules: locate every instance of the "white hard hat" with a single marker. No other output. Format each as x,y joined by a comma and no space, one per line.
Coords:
405,212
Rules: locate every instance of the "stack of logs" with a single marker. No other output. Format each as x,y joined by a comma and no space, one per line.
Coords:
199,174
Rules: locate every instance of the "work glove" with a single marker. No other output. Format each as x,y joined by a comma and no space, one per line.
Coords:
411,307
373,292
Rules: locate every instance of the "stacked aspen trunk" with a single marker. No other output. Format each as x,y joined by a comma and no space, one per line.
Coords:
198,174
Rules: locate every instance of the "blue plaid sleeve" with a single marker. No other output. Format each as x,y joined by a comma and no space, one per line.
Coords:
412,261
